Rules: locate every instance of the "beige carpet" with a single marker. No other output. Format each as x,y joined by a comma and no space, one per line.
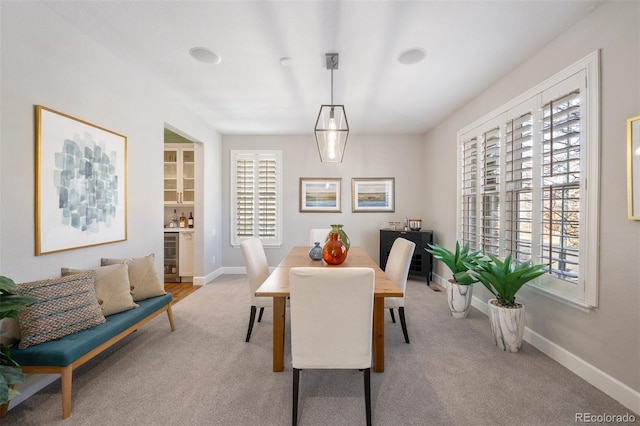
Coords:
205,374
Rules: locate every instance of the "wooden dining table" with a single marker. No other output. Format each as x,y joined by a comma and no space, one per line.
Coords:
277,286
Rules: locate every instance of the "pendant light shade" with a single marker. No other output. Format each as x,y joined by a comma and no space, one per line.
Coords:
332,128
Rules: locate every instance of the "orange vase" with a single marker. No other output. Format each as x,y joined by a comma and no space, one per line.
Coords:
334,251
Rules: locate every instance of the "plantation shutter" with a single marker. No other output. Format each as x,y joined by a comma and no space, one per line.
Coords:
267,198
245,206
528,177
490,189
256,196
469,169
561,152
519,186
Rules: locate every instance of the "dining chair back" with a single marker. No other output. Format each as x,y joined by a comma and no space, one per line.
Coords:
397,270
255,261
318,236
331,323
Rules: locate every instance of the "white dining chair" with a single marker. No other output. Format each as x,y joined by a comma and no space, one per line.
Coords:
257,267
331,323
397,270
318,235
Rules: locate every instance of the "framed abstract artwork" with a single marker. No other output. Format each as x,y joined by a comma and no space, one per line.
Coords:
320,195
373,195
81,183
633,167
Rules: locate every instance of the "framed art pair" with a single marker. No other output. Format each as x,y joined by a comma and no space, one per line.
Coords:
323,195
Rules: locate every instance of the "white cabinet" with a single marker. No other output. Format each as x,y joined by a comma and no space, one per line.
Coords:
186,258
179,176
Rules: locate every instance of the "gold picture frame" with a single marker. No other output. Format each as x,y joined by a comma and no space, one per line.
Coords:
633,167
81,183
320,195
373,194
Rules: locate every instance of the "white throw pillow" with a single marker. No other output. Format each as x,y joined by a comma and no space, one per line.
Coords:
142,276
113,289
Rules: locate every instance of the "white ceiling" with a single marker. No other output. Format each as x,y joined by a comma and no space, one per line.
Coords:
469,45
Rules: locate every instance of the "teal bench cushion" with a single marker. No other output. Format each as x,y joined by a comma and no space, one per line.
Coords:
64,351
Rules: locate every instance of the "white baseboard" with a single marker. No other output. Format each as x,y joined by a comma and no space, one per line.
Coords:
33,384
209,277
613,387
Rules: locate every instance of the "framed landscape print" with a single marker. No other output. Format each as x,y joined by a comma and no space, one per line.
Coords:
81,183
373,195
320,194
633,167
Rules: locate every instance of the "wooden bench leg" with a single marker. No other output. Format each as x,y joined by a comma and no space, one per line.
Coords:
170,315
65,386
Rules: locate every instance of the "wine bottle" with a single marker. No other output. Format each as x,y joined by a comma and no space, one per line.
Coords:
183,221
190,220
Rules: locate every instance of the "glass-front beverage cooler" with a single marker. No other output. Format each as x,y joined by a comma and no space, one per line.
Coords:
171,260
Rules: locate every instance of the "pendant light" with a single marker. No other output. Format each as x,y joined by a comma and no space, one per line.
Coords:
331,128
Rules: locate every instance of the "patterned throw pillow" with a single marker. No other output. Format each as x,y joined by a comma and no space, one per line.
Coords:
64,306
112,287
142,276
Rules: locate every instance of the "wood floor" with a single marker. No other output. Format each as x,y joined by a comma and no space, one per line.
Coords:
180,290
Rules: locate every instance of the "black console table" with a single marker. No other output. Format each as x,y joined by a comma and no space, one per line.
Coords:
422,262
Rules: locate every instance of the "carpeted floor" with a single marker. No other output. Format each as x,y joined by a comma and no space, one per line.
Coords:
205,374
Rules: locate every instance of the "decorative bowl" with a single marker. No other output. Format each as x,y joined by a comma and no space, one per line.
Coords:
415,224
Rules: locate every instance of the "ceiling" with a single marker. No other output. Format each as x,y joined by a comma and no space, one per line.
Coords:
468,44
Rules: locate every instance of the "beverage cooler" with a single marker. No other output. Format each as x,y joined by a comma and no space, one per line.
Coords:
171,260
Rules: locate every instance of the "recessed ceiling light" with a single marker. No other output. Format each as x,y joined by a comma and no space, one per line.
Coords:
286,61
412,56
205,55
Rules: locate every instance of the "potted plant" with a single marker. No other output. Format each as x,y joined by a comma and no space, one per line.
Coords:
503,279
10,373
460,290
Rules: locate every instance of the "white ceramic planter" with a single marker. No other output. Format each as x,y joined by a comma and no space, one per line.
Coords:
507,326
459,299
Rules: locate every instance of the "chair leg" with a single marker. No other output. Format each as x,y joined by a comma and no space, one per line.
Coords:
260,315
367,394
296,382
252,317
403,322
393,317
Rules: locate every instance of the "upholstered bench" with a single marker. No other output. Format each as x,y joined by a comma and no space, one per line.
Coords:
80,314
63,355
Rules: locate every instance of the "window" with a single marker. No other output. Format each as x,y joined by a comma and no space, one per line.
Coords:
256,196
528,182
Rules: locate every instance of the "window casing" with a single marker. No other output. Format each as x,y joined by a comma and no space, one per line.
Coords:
528,182
256,196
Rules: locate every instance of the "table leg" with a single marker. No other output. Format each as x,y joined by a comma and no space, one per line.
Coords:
279,317
378,334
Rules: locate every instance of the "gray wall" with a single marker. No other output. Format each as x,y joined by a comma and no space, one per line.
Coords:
398,156
609,336
48,62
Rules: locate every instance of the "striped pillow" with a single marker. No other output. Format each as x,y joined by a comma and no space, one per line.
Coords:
64,306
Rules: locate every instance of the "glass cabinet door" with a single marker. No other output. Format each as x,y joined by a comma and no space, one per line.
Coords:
179,176
171,176
188,177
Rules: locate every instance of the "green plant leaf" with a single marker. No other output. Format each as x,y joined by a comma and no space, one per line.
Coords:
505,278
458,261
10,373
7,285
10,376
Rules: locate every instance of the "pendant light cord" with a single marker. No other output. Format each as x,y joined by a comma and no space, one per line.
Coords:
331,86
